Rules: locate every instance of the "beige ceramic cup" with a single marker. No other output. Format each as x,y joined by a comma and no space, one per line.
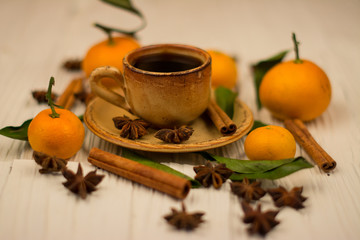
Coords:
163,98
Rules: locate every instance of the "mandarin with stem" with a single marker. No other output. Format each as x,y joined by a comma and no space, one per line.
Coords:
109,52
295,89
56,132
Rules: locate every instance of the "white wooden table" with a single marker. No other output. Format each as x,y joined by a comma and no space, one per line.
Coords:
38,35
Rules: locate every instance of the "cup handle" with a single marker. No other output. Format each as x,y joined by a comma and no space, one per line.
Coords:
107,93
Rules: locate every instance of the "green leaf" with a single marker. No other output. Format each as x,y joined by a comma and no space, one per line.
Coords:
247,166
124,4
257,124
225,98
261,68
19,133
140,159
81,117
269,169
282,171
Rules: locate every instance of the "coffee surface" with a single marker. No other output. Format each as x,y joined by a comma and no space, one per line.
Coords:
166,62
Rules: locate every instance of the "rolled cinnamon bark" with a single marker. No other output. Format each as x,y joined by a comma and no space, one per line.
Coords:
315,151
220,119
67,98
170,184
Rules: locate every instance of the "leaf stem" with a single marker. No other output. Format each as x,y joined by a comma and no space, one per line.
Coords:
110,30
296,47
53,114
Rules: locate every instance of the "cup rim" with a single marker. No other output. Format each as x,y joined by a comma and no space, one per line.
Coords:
194,49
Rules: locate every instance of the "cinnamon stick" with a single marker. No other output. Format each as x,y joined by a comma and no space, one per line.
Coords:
220,119
151,177
67,98
315,151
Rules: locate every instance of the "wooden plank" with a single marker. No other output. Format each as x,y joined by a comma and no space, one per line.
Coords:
44,33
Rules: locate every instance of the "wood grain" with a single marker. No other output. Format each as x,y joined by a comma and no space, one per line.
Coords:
43,34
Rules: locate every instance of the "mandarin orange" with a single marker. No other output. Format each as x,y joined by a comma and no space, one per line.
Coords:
270,143
61,137
223,70
295,89
107,53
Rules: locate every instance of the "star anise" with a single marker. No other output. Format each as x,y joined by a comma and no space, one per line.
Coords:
209,175
248,191
282,197
261,222
72,65
84,96
79,184
176,135
48,163
40,96
183,220
132,129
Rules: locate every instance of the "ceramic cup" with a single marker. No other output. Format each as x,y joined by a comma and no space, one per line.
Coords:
166,84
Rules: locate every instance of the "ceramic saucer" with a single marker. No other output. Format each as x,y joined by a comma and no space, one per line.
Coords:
98,118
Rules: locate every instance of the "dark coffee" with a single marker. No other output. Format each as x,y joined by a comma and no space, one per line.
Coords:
166,62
